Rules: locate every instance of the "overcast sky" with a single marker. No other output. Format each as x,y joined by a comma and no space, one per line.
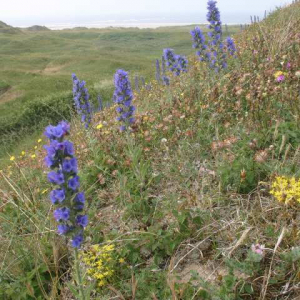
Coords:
16,12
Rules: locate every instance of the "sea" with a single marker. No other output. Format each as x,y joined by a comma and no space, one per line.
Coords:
154,22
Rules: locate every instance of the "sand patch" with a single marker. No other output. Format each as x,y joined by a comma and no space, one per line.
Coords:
10,95
50,70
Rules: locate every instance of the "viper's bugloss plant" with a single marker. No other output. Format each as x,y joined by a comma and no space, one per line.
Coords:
230,46
100,103
213,51
65,196
215,24
81,100
158,72
165,78
216,53
123,97
183,63
199,43
175,63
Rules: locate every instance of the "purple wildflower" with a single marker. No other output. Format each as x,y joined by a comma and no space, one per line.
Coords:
73,183
60,157
82,220
175,63
68,148
70,165
56,177
57,196
123,96
157,73
77,240
62,229
79,201
81,99
199,43
62,214
230,46
280,78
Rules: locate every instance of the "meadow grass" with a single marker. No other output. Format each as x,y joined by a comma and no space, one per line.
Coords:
190,205
36,65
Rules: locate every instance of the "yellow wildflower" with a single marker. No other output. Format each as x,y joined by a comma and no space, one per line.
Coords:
12,158
35,147
99,126
44,191
121,260
278,73
286,189
39,140
100,263
23,153
33,156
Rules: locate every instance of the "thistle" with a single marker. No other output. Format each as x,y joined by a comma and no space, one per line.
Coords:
81,100
65,196
123,97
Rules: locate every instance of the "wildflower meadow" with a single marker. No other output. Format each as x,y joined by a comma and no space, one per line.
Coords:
182,184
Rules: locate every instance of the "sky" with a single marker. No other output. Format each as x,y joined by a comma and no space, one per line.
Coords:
42,12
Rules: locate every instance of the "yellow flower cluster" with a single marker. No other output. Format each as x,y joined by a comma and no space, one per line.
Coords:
278,73
100,263
286,189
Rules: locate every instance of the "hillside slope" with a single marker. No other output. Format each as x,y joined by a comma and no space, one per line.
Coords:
7,29
199,201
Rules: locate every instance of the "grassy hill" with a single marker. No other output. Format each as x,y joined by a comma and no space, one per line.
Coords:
6,29
199,201
37,28
38,65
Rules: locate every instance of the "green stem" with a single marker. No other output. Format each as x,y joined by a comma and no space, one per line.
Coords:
78,274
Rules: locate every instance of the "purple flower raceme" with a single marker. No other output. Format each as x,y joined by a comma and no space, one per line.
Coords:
213,51
199,43
175,63
81,100
158,72
165,79
215,24
66,197
183,63
123,97
230,46
216,47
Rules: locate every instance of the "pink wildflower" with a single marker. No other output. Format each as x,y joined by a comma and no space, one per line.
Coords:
280,78
258,249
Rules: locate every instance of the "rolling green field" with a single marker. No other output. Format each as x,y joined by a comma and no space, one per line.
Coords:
39,64
36,64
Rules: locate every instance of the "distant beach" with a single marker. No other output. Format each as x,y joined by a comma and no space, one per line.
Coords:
115,24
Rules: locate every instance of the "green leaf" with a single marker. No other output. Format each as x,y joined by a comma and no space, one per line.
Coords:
73,290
